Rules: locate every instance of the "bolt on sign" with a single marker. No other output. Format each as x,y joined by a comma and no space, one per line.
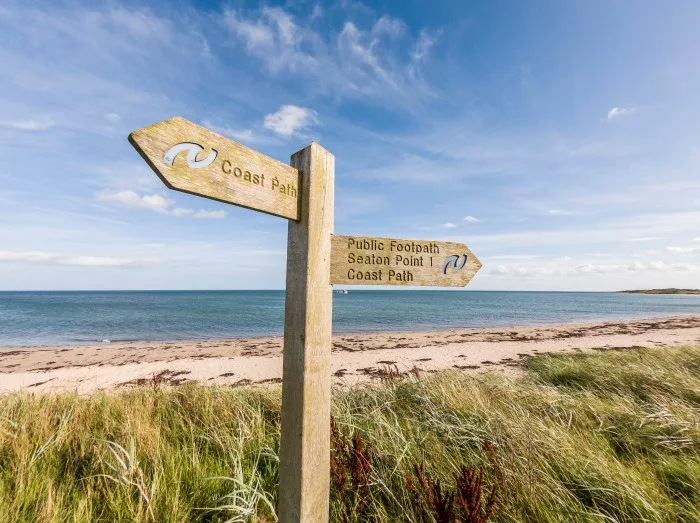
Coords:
358,260
194,160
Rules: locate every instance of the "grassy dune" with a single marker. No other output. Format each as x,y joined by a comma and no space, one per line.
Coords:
610,436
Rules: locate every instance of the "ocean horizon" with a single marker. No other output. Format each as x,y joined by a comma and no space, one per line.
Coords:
36,318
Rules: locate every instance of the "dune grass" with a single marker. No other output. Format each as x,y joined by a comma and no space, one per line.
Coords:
609,436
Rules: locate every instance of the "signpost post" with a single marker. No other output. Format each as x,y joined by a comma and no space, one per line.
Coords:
192,159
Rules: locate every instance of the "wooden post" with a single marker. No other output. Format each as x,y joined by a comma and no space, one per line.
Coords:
306,378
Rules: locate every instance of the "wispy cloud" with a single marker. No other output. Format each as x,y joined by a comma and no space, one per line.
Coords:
151,202
562,269
560,212
356,61
389,25
682,250
28,125
290,120
449,225
646,239
423,46
471,219
210,215
156,203
242,135
53,258
656,266
617,112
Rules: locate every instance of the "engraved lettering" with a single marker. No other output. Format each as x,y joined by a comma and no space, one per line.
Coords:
364,275
410,261
403,275
368,259
413,247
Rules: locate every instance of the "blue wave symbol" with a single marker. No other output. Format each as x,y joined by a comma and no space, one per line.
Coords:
452,261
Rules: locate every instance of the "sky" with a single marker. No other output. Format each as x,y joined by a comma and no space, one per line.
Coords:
559,140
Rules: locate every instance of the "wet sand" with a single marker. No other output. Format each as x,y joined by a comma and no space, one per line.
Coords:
355,357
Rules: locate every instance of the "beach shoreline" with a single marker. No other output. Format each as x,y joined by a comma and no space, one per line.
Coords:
355,357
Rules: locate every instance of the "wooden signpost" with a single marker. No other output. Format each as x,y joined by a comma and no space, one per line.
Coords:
192,159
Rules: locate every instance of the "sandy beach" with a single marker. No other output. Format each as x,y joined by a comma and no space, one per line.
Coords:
356,357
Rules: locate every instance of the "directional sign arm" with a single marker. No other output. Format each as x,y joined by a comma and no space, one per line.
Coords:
192,159
359,260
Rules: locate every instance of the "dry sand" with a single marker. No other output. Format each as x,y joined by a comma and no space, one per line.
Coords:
355,356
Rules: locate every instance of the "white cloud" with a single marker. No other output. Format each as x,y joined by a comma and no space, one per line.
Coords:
178,211
113,117
617,112
471,219
646,239
682,250
273,37
212,215
696,239
513,257
354,62
449,225
289,120
53,258
151,202
388,25
422,47
246,135
351,40
657,266
28,125
156,203
562,269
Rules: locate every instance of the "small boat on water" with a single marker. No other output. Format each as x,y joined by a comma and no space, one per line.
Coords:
343,291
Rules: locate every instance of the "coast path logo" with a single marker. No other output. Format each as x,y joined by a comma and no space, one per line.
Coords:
193,151
452,262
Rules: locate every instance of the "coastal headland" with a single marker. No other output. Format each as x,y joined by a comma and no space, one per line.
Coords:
672,290
356,357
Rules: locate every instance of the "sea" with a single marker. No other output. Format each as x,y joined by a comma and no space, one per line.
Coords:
65,318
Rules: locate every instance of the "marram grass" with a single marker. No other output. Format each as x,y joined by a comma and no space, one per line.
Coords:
610,436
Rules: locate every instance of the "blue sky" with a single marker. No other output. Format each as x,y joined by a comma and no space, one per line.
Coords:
559,140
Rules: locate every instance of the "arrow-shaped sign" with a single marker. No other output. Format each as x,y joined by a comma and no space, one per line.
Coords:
358,260
192,159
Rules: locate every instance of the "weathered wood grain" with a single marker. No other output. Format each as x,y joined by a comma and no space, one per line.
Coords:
359,260
216,167
306,380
